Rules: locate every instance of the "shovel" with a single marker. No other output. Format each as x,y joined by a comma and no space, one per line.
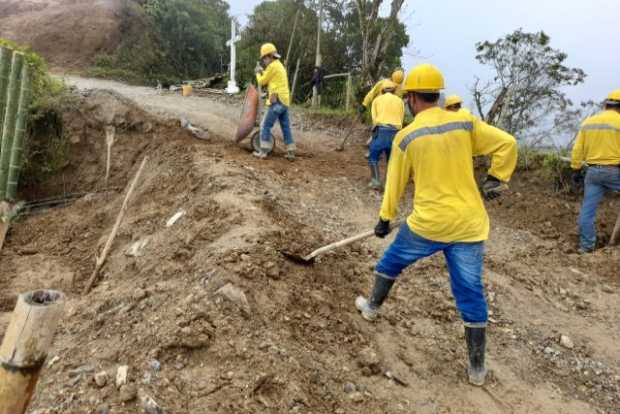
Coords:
309,259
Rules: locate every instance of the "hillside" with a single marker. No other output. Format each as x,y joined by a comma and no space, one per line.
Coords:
68,33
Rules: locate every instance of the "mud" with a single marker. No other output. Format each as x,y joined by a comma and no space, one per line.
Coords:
289,339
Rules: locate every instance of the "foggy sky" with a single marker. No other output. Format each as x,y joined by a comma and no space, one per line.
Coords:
445,32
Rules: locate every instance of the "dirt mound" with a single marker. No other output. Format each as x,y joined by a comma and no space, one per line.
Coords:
211,318
68,33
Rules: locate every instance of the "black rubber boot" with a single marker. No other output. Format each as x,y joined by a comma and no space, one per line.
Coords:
375,177
370,307
476,339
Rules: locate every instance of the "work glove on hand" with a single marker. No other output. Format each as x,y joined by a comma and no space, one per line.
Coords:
361,108
258,69
382,228
492,188
577,178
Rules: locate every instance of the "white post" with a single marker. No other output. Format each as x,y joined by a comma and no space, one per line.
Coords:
232,83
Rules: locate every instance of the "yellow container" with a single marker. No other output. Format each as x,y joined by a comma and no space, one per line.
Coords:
187,90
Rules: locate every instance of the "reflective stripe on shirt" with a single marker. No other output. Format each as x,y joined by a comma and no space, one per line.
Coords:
436,130
603,127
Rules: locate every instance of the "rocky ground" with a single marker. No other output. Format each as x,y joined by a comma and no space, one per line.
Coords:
205,315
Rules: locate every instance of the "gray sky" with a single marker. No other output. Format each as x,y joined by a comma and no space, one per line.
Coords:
444,33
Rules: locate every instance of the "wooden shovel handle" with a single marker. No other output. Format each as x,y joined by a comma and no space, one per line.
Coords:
345,242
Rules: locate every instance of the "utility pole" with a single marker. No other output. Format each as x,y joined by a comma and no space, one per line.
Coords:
317,61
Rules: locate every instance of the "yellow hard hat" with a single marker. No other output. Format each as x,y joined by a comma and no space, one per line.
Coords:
614,96
387,84
267,49
398,76
453,100
424,78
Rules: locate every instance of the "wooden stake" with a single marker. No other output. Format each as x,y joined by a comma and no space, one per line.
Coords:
121,214
110,132
25,347
615,235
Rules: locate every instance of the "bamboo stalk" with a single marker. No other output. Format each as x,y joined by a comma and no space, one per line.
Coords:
17,148
8,128
5,66
25,347
5,221
121,214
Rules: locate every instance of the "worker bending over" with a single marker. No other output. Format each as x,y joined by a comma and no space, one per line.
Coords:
388,112
275,78
598,145
448,215
397,77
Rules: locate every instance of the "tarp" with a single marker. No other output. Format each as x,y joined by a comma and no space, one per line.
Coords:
248,114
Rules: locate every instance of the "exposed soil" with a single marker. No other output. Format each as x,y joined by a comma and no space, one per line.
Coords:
168,302
68,33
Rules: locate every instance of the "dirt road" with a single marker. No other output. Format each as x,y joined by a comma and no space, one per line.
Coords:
289,340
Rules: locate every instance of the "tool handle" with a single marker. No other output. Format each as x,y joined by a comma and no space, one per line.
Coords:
346,242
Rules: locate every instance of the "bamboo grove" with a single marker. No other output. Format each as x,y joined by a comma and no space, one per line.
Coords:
15,97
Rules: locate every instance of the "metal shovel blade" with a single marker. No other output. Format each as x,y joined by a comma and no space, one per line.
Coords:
296,258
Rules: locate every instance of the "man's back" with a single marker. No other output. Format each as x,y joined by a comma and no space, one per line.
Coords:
388,109
437,149
598,141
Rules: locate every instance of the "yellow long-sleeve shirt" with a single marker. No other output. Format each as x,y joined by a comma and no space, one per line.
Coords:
598,141
388,109
376,91
437,150
276,79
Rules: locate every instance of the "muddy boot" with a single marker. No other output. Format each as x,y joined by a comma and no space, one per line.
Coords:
375,177
476,343
290,152
369,308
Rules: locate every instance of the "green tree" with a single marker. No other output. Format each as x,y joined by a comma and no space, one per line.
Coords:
169,40
527,91
341,43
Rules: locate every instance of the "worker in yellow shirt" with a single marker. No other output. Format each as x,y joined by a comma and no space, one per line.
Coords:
275,78
388,112
598,145
435,151
397,77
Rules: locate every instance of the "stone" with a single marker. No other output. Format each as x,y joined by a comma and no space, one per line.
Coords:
138,294
235,295
84,369
102,409
566,342
356,397
101,379
148,403
349,388
128,393
155,365
121,375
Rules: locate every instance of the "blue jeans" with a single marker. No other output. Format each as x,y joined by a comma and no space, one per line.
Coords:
599,179
381,143
276,112
465,262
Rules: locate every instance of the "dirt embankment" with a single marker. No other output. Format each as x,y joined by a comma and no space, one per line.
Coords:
210,317
69,34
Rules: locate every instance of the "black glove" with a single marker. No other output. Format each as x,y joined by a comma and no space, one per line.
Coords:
577,178
361,108
492,188
382,228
